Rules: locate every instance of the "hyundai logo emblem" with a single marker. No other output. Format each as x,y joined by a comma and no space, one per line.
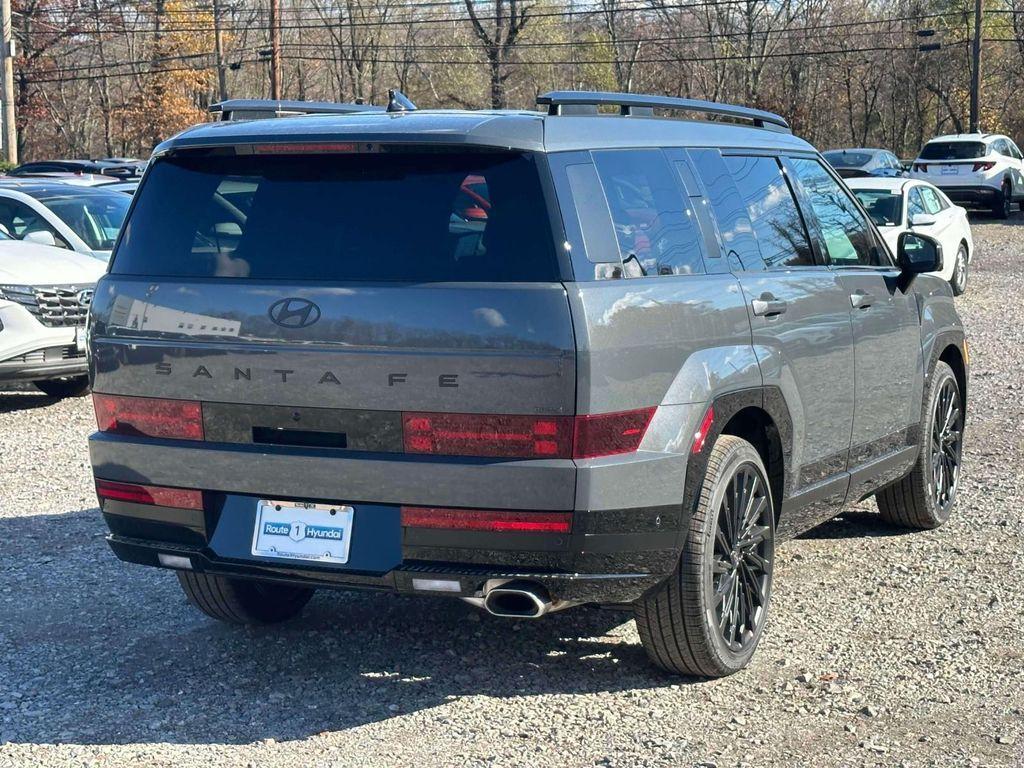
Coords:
85,297
294,313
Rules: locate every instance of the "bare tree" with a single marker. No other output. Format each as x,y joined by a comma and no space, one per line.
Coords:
509,19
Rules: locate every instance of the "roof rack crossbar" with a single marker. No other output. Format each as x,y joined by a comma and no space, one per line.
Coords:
633,104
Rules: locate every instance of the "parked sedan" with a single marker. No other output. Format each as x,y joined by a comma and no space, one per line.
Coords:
82,219
864,161
902,205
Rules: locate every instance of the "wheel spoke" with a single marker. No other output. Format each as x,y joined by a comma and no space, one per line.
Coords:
754,560
757,507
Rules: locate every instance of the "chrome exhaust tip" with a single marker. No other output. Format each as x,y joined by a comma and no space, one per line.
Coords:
517,601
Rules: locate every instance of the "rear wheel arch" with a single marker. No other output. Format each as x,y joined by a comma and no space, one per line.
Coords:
952,356
760,416
756,426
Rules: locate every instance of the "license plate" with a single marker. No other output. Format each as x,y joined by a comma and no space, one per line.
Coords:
295,530
949,170
80,339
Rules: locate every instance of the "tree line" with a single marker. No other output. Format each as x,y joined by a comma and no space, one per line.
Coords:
112,77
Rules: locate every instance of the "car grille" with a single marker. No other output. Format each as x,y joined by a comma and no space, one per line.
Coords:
49,355
55,305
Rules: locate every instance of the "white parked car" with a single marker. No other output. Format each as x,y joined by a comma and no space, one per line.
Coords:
44,298
901,205
978,170
82,219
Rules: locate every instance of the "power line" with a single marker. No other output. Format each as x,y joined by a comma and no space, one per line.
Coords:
790,35
591,62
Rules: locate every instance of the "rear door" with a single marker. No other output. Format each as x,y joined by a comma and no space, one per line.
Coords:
886,329
800,320
289,291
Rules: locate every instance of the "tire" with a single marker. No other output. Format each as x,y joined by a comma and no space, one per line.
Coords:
1003,203
683,627
241,601
958,282
925,497
75,386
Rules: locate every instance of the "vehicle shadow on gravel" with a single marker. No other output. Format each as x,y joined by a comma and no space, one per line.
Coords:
23,400
101,652
855,524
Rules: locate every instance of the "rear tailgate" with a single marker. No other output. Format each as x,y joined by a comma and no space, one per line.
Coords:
313,303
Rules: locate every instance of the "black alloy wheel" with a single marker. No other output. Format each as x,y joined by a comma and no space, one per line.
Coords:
946,446
741,563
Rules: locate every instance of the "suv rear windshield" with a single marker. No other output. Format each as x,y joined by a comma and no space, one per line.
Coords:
397,216
953,150
842,159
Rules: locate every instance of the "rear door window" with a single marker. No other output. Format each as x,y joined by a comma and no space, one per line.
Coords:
781,235
738,241
381,216
932,204
655,227
915,203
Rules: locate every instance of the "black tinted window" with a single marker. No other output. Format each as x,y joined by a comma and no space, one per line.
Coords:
399,216
729,209
846,233
839,158
652,217
780,232
953,150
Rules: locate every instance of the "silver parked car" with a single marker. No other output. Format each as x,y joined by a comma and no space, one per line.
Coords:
528,359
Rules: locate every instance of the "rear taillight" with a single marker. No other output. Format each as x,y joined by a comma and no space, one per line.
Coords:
922,167
467,434
183,498
525,437
486,520
606,434
988,165
149,417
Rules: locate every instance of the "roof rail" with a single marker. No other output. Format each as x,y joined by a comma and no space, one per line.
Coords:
640,105
252,109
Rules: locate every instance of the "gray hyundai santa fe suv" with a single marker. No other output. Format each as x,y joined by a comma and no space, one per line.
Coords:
591,354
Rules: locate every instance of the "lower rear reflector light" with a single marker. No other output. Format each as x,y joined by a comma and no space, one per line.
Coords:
486,520
149,417
153,495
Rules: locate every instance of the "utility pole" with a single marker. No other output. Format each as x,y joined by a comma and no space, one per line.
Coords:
218,49
275,49
976,68
10,127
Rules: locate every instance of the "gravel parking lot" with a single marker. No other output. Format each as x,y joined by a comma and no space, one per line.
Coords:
885,647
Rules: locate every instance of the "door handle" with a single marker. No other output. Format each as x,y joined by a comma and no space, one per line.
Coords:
861,300
768,306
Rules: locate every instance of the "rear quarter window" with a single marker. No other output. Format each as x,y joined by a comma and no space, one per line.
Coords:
396,216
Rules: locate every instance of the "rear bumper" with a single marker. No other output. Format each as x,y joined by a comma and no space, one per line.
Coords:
970,195
613,554
602,588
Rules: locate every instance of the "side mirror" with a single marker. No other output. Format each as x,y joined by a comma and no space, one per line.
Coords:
917,254
922,220
40,236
